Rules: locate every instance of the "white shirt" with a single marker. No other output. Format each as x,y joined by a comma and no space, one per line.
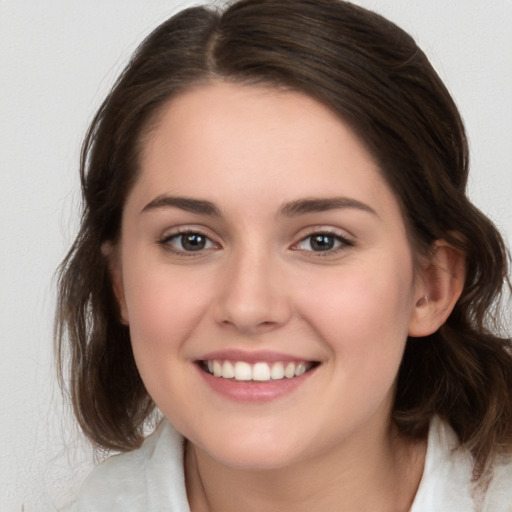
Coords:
151,478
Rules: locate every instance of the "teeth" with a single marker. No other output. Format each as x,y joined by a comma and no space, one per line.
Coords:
300,369
262,372
289,371
243,371
228,370
277,371
217,369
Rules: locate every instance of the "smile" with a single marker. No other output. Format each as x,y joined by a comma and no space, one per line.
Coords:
259,372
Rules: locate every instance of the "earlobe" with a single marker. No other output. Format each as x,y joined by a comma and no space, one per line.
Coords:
439,288
110,252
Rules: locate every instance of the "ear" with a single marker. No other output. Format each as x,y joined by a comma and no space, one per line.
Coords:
111,253
439,286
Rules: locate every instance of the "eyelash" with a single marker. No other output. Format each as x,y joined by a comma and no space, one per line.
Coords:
165,242
343,243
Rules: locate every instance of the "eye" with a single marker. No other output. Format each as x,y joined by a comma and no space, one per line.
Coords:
190,241
323,242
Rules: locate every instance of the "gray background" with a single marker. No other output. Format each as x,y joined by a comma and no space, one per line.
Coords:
58,58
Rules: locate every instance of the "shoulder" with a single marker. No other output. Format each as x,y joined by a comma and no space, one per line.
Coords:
447,478
150,478
498,496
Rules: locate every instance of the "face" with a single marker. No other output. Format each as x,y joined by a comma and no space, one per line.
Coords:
266,276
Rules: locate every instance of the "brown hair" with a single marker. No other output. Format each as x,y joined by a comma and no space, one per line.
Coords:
373,75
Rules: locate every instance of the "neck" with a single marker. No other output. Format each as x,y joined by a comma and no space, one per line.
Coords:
380,474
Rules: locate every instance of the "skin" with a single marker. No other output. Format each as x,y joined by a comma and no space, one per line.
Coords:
258,284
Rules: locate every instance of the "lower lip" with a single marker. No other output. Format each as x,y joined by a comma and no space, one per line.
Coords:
254,391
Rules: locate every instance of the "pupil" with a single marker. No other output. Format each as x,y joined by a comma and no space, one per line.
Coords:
193,242
322,242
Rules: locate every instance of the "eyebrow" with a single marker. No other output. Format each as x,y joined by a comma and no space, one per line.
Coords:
314,205
183,203
291,209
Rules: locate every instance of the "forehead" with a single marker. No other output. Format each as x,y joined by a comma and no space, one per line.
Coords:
226,141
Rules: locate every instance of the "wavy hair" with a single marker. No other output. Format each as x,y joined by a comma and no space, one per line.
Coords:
373,75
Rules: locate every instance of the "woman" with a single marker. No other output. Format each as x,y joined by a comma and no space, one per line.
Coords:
277,252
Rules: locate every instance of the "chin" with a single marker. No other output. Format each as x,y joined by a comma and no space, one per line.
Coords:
256,454
255,460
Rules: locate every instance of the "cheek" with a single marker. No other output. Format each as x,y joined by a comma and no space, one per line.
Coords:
163,306
164,309
364,311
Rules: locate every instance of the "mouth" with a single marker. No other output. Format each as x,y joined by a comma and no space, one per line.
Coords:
256,372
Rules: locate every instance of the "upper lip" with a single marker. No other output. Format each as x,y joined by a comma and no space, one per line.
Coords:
251,356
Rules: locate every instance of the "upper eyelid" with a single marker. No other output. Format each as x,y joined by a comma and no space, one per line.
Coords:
177,234
345,240
319,229
166,243
171,235
301,235
183,230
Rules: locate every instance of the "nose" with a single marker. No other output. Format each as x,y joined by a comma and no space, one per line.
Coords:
252,298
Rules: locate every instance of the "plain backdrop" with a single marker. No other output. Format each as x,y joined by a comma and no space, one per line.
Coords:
58,59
